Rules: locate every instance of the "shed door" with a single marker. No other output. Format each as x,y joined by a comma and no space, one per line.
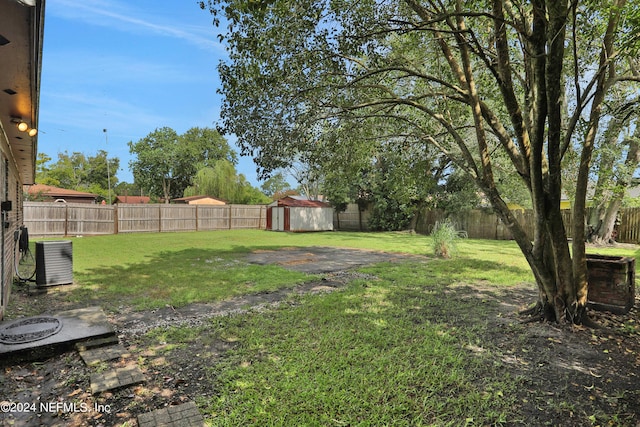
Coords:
277,218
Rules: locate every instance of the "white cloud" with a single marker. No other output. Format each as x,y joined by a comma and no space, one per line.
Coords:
122,17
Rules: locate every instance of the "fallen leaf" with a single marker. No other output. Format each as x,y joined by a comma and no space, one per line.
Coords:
75,392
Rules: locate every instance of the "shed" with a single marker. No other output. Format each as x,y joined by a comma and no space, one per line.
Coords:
290,214
199,200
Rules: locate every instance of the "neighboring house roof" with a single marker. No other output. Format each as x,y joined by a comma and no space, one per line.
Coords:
202,200
55,193
293,202
133,199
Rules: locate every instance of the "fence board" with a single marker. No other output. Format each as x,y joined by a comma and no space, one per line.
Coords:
46,219
213,217
90,219
248,216
138,218
178,218
483,225
62,219
352,218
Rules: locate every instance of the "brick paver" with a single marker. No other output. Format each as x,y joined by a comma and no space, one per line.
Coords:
185,415
116,378
97,342
103,354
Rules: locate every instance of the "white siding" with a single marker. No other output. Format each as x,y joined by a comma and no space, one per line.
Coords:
311,219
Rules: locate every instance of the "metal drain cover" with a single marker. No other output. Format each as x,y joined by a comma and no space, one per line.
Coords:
30,329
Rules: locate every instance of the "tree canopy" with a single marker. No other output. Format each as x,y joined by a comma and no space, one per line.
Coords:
221,181
276,186
496,86
78,171
166,162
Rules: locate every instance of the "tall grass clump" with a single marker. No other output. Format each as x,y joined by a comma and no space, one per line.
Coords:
444,238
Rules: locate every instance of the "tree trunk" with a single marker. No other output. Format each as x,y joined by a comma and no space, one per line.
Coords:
604,231
166,190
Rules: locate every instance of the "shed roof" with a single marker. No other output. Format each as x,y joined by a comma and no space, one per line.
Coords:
291,202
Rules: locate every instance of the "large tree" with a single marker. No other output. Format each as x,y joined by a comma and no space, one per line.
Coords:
276,186
221,180
617,160
78,171
166,162
473,79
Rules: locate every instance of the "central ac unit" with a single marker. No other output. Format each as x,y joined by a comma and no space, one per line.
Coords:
54,263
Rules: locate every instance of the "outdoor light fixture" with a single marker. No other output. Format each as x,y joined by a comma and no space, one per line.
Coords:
23,126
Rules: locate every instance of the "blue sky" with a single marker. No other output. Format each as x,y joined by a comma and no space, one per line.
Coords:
128,67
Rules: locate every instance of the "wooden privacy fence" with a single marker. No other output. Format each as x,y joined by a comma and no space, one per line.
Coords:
484,224
71,219
352,218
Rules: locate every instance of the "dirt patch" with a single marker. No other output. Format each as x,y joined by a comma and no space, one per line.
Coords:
320,260
568,375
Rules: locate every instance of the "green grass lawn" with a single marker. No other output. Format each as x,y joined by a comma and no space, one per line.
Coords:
409,344
147,271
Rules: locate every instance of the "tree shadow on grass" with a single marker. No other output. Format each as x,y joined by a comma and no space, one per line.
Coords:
177,278
563,375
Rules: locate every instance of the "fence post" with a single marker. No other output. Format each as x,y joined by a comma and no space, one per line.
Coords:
229,217
115,219
66,219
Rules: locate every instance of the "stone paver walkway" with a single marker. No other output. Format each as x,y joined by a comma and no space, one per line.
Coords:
116,378
185,415
106,351
97,342
103,354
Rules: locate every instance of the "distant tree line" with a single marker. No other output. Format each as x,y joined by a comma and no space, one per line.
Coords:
166,166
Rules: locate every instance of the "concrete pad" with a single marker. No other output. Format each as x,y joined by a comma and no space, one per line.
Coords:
320,260
77,325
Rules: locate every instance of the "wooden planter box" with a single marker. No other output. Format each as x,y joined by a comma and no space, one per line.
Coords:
611,283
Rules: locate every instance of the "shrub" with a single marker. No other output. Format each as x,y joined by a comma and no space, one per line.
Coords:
444,236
